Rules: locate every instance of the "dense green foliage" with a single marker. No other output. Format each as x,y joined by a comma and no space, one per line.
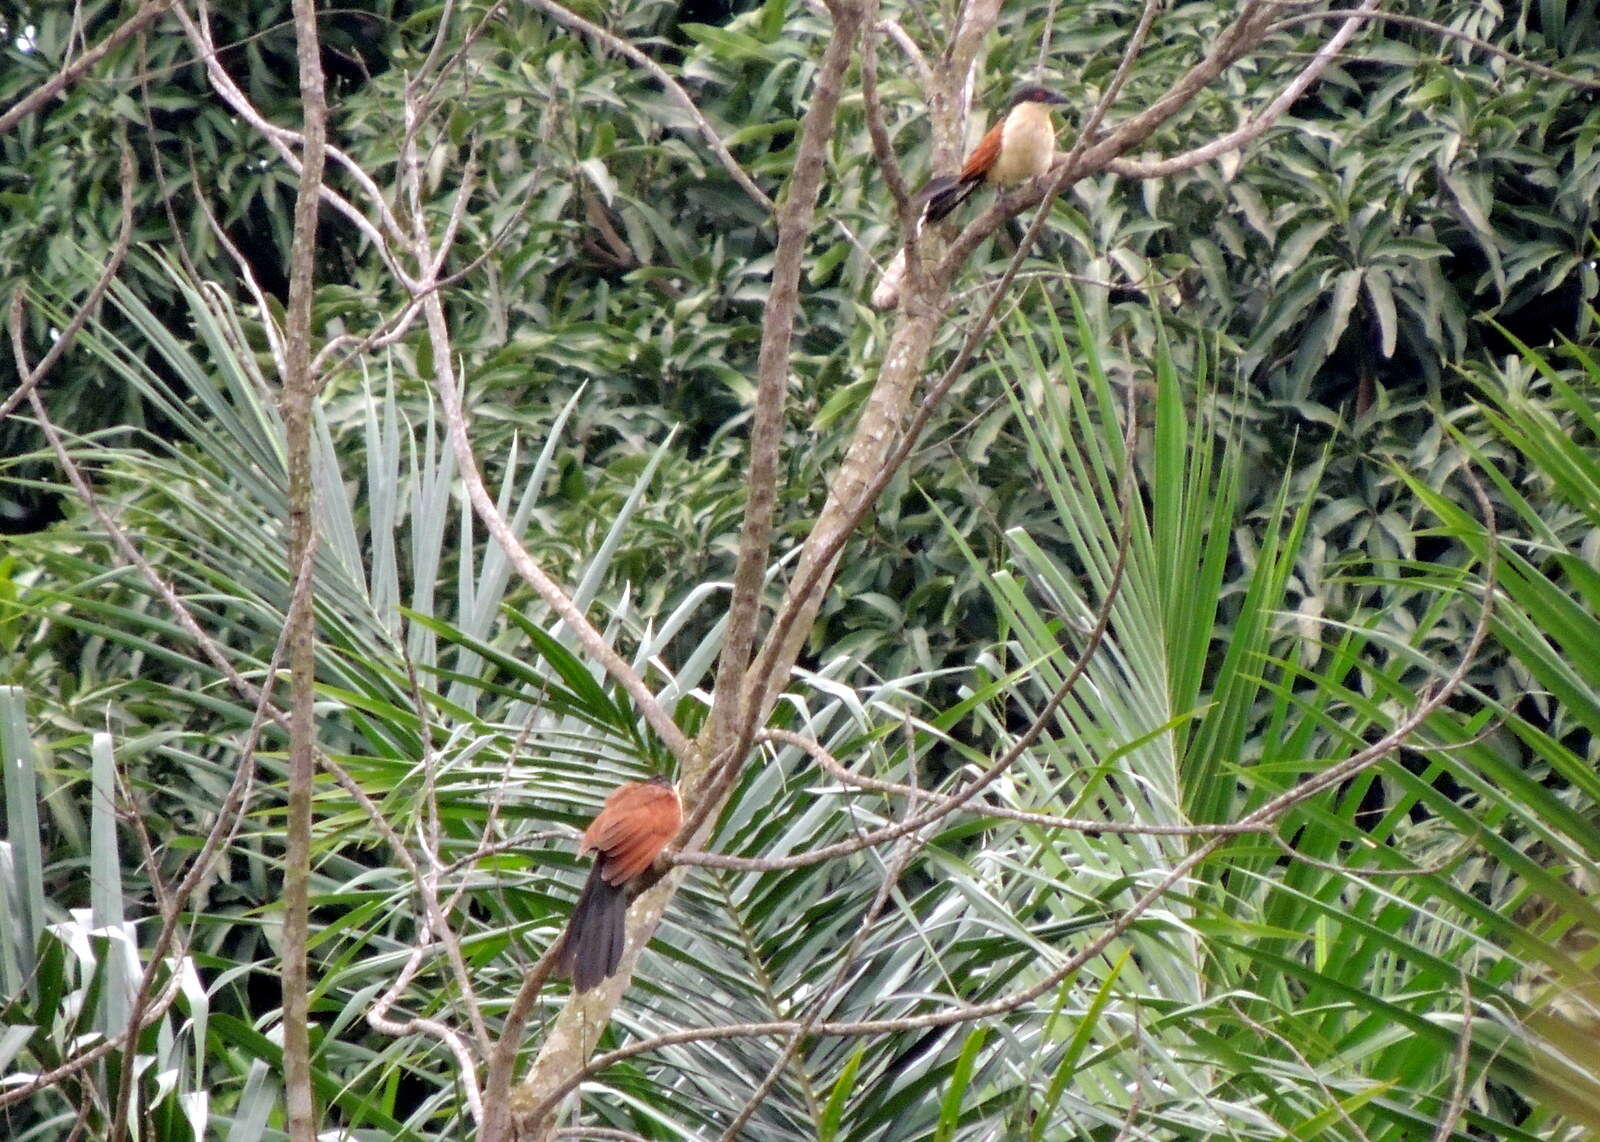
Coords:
1323,335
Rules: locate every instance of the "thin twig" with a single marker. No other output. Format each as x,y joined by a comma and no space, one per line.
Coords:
835,769
171,903
1438,29
74,71
882,149
488,511
283,140
902,40
1022,744
437,920
91,1055
904,851
1433,869
1306,1066
1248,29
1044,40
378,1018
1457,1105
764,670
91,303
269,323
1258,124
622,47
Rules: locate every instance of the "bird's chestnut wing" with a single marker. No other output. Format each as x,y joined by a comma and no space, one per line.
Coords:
983,155
635,824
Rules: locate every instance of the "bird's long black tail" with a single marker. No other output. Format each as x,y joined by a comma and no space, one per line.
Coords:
591,949
942,195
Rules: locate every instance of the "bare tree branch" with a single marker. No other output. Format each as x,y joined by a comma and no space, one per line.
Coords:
622,47
378,1018
1010,756
1247,31
296,403
904,851
870,463
269,323
1258,124
436,925
906,44
91,303
568,1042
832,766
1366,12
283,140
951,98
91,1055
234,800
488,511
772,381
882,148
1433,868
74,71
228,813
879,424
1119,79
907,265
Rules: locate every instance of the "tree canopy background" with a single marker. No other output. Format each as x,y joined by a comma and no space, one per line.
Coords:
1326,338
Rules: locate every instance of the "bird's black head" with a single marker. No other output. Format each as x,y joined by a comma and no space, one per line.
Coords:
1033,93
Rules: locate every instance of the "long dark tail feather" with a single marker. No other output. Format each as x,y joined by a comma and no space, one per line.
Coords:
591,949
943,195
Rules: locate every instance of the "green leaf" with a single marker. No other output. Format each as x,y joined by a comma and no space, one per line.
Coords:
1382,298
955,1093
833,1110
22,915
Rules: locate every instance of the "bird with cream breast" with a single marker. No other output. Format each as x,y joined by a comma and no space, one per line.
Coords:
1018,148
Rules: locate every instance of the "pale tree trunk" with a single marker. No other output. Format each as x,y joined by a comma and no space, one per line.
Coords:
296,401
744,698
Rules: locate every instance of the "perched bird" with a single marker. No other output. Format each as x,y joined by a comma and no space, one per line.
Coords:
633,826
1019,147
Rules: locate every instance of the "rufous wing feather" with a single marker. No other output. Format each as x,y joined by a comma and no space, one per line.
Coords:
982,158
943,195
653,821
636,823
633,826
617,814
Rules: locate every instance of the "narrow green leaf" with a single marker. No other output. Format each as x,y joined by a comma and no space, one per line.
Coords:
955,1093
22,915
833,1110
105,882
1067,1065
